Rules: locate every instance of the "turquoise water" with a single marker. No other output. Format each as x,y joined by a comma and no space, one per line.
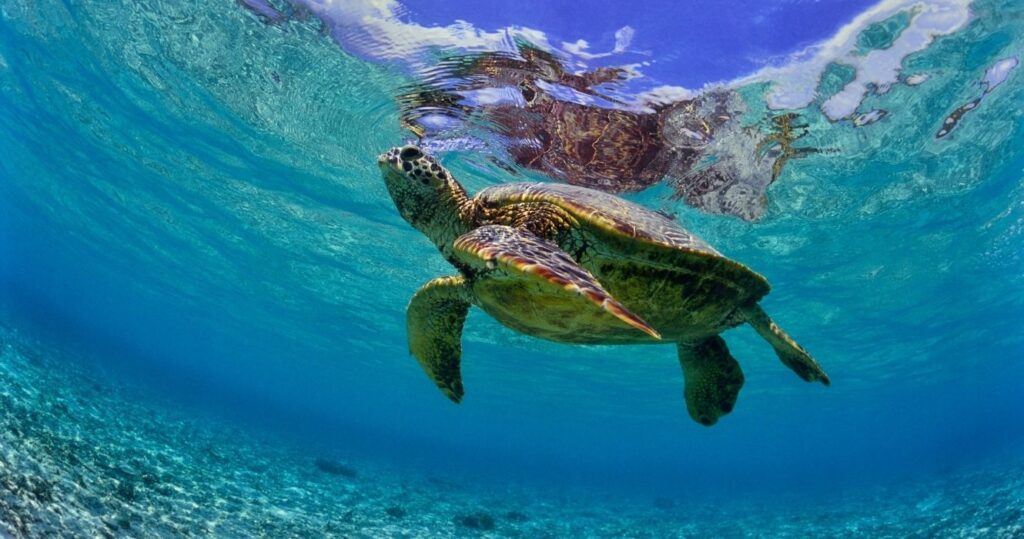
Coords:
204,284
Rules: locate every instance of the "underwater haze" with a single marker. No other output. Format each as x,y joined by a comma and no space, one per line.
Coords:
203,279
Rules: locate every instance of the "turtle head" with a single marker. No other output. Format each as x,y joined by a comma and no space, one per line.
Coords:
425,193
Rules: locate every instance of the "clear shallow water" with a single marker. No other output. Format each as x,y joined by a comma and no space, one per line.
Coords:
190,197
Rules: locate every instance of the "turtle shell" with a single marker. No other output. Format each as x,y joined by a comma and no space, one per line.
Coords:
622,228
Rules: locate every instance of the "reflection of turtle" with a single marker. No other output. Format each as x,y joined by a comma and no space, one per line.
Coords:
609,149
441,85
594,141
574,265
737,166
528,63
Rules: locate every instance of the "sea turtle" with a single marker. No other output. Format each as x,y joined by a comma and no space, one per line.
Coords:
576,265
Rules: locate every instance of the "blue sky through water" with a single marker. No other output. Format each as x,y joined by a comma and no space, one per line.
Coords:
689,43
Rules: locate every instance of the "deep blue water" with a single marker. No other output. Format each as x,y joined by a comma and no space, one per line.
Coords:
191,213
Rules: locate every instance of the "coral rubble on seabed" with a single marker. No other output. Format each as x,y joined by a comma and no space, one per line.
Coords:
82,456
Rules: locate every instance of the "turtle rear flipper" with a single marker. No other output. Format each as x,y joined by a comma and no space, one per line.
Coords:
791,353
713,379
435,318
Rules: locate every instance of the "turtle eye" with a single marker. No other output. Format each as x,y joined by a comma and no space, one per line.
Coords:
409,153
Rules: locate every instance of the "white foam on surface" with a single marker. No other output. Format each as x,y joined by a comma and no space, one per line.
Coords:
794,84
916,79
882,67
580,48
667,94
998,73
375,28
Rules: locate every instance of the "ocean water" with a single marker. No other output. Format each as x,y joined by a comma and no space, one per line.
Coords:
203,280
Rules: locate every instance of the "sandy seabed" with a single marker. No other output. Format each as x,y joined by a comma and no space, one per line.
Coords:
85,455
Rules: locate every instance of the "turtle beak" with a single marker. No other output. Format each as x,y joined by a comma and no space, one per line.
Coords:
389,159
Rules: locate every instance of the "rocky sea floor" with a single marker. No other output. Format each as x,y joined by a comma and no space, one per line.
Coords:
84,456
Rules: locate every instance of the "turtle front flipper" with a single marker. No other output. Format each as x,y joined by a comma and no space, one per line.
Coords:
713,379
513,254
435,318
791,353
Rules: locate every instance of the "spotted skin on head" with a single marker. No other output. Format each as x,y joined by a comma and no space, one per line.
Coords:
414,164
426,195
